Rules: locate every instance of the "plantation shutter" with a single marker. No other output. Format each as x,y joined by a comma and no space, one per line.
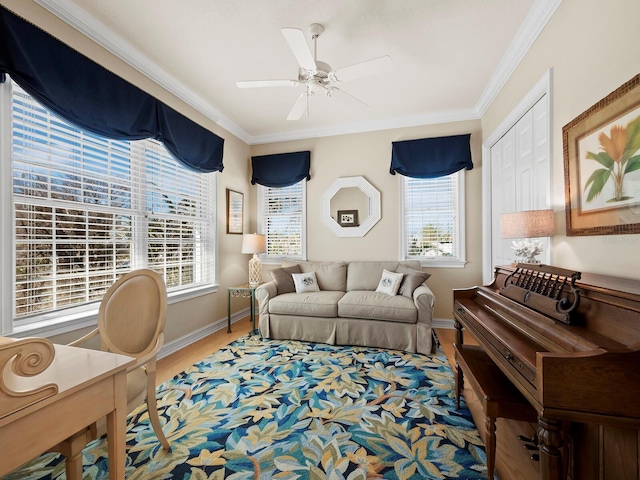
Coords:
431,217
73,220
283,220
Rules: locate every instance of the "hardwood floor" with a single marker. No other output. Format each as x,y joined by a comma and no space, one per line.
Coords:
179,361
512,460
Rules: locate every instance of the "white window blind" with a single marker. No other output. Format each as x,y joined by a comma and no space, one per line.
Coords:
88,209
283,220
432,218
181,219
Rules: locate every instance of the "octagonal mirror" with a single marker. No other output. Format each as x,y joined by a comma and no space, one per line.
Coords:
351,207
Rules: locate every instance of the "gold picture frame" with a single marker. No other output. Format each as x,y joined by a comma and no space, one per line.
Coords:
234,211
601,149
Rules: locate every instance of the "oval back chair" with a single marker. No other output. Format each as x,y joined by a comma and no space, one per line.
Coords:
131,322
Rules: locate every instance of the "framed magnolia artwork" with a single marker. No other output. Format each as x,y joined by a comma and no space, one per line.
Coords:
602,165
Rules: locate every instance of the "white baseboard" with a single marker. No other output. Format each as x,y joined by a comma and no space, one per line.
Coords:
446,323
180,343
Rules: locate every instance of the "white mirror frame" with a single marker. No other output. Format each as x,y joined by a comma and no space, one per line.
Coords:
373,199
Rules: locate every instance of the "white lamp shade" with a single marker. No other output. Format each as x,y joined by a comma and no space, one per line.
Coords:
527,224
254,243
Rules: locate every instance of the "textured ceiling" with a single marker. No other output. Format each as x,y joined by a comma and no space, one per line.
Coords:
447,55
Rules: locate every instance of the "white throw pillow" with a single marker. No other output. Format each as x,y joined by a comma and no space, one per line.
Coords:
305,282
389,283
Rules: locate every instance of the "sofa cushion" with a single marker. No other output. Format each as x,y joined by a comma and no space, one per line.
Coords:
305,282
412,279
389,282
283,279
330,275
366,275
312,304
377,306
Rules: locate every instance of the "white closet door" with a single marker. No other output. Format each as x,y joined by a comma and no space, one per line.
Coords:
520,177
503,199
524,163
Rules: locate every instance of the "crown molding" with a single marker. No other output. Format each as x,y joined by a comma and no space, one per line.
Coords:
534,23
371,126
78,18
74,15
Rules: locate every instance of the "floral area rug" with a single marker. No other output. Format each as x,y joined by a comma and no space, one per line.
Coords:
263,409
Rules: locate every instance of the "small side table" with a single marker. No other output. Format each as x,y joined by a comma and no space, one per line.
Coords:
243,291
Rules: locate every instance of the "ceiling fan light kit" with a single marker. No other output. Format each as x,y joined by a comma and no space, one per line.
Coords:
319,76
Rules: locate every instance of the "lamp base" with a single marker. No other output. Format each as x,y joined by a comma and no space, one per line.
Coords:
255,271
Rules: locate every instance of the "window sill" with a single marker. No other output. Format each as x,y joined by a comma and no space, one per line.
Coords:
440,263
88,318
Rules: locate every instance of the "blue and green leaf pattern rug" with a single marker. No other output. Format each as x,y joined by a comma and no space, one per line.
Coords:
287,410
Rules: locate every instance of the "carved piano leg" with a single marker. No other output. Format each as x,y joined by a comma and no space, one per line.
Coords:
459,375
459,385
458,327
490,445
551,442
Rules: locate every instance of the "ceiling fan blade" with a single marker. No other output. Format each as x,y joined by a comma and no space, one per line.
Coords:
299,108
363,69
346,98
298,44
267,83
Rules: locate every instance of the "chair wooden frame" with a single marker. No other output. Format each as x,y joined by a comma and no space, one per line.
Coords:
142,295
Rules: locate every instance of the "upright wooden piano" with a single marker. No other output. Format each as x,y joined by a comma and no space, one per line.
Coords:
570,343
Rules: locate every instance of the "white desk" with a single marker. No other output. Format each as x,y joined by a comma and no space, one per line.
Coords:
90,385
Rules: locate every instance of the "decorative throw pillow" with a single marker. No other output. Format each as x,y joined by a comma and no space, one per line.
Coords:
305,282
283,279
412,280
389,282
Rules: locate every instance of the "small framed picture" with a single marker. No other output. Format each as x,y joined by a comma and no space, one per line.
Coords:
234,211
348,218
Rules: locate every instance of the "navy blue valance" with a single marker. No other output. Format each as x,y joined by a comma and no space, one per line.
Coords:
431,157
281,169
92,98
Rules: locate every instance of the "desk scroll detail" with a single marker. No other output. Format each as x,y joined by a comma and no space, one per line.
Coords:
548,290
23,358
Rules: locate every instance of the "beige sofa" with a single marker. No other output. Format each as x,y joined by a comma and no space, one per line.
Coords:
347,310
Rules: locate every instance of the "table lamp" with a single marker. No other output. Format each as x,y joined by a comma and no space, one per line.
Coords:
254,243
524,226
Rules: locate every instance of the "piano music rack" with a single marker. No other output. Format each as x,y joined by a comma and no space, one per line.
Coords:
545,289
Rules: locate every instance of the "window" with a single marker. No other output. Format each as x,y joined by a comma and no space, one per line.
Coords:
282,218
433,220
86,209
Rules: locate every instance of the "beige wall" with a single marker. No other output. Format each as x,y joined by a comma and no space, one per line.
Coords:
369,155
593,47
191,315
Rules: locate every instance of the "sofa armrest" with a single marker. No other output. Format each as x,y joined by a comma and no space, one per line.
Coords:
264,293
425,302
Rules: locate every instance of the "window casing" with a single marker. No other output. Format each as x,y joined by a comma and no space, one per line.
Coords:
86,209
282,219
432,220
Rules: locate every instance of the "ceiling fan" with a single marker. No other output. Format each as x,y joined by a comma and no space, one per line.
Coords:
318,76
